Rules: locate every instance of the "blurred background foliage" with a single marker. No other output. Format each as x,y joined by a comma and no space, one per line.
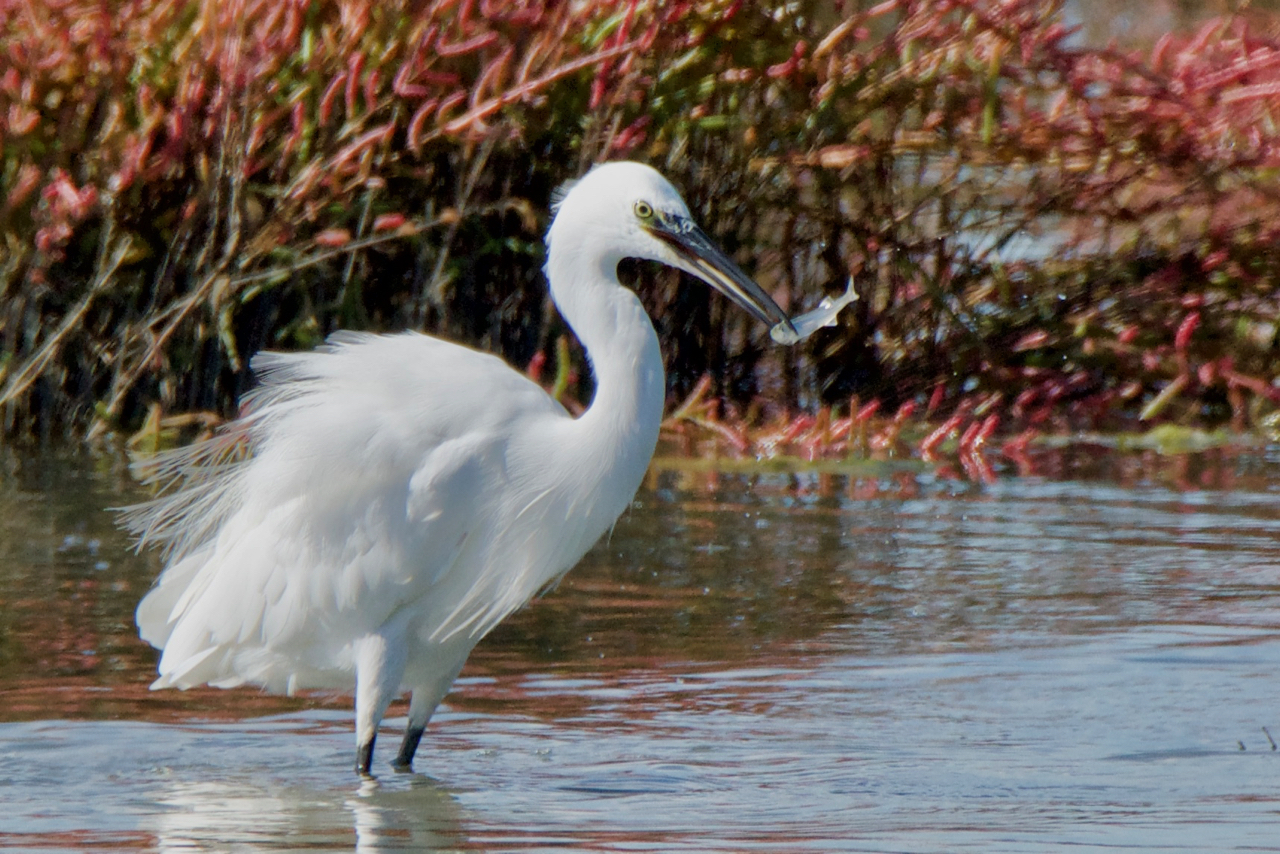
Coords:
1048,234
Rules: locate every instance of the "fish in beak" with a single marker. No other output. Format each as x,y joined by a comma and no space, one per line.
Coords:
699,256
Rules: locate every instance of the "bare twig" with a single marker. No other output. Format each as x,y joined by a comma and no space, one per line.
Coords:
35,366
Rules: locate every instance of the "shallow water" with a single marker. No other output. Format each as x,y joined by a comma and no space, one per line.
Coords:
876,659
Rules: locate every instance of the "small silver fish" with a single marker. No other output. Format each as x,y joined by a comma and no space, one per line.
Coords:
806,324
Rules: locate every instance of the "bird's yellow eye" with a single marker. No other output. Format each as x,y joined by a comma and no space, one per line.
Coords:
644,210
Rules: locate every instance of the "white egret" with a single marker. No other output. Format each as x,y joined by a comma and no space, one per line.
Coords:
400,494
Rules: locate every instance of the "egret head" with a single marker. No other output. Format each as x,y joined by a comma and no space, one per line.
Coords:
628,210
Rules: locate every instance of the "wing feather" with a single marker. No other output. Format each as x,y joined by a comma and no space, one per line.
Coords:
353,483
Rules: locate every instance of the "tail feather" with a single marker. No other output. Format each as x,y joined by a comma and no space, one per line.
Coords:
159,610
190,672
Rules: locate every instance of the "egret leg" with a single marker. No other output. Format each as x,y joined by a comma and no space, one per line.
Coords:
379,669
364,757
421,707
408,747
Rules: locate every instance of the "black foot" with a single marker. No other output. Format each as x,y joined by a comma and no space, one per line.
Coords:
364,758
408,747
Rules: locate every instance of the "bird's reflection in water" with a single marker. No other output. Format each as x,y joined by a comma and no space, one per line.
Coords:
422,816
406,813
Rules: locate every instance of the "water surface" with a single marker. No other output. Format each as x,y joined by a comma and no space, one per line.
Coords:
876,659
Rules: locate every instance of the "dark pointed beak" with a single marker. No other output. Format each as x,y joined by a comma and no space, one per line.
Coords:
702,258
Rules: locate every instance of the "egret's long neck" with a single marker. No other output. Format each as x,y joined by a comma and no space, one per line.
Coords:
621,425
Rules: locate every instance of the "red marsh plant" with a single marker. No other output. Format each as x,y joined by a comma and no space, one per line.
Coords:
185,183
1047,236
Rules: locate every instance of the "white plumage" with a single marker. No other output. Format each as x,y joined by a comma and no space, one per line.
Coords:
384,501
